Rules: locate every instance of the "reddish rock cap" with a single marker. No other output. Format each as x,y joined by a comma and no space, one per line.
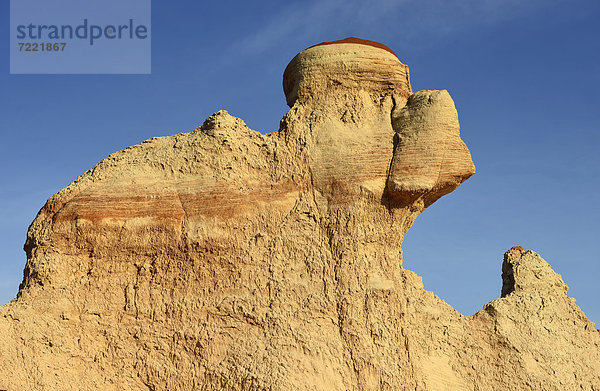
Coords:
359,41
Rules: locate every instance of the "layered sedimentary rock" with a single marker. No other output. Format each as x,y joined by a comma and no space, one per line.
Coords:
341,98
224,259
430,159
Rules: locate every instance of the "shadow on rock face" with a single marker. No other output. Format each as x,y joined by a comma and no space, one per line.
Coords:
355,100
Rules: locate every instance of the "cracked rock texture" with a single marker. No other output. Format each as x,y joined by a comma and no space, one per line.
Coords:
224,259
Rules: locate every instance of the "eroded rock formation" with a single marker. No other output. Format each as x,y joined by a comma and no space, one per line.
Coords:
224,259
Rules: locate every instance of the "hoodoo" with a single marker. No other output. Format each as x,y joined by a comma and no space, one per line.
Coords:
225,259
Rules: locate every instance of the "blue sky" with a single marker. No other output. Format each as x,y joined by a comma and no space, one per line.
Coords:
525,77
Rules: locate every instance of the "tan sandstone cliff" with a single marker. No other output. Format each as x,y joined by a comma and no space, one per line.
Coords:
224,259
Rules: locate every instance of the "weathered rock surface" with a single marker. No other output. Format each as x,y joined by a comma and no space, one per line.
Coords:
430,159
224,259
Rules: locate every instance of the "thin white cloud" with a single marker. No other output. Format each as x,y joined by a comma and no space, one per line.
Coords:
410,21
